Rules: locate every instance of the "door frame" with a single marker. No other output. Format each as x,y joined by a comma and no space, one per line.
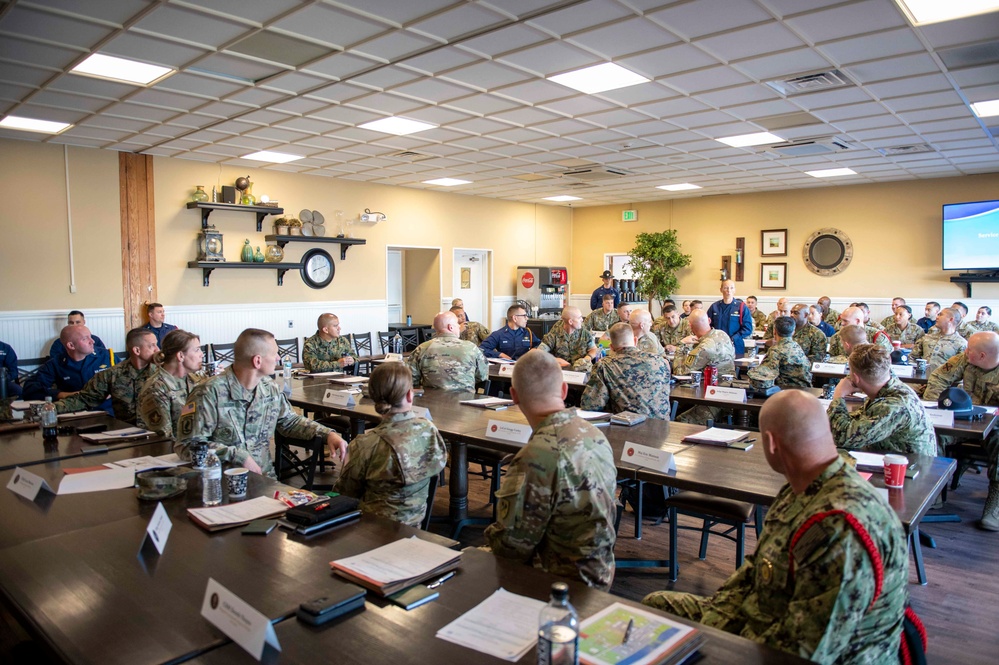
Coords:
403,248
488,304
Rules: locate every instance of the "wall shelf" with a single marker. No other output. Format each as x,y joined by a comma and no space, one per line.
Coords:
207,207
344,243
970,278
208,266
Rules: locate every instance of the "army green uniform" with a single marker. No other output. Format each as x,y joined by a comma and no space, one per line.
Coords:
556,505
630,380
163,397
874,336
238,423
476,333
390,467
123,382
938,349
759,320
812,341
832,318
907,337
448,363
715,348
815,599
794,369
318,355
599,320
972,327
670,336
894,420
570,347
649,343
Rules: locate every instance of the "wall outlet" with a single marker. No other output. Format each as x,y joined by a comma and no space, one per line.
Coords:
291,324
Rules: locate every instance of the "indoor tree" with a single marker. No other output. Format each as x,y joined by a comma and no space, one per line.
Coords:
655,260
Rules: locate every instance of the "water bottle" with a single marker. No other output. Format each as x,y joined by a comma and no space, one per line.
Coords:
48,420
397,343
558,629
409,320
211,480
287,375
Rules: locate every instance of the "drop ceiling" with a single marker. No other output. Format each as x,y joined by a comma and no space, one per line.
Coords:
299,77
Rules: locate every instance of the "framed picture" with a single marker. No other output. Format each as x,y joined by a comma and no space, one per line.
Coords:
773,275
773,242
466,278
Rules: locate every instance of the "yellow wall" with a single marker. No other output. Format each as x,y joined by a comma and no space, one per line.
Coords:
422,298
895,229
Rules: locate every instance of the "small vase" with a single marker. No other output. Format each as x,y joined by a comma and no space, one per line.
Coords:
200,195
246,255
274,254
247,198
258,257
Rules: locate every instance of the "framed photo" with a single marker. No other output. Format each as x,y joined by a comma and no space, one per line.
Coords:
773,242
466,278
773,275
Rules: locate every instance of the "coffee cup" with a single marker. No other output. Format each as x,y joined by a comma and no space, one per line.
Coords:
895,466
236,480
920,365
199,453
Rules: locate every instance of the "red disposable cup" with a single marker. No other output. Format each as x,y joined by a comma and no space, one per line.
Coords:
897,345
895,466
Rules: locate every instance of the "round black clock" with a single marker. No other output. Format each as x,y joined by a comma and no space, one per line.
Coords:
317,268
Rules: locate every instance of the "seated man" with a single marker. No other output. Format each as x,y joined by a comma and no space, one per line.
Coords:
850,337
327,350
556,505
854,316
671,328
237,412
976,369
865,308
794,369
603,318
809,589
980,324
783,309
67,373
123,382
930,318
815,320
157,322
938,348
811,340
629,379
512,340
961,313
829,315
447,362
896,302
76,318
641,326
470,331
710,347
571,343
901,329
8,359
759,318
892,419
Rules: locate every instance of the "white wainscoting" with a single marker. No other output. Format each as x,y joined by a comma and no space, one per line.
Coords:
32,332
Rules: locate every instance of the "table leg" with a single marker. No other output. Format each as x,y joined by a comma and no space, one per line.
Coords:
917,554
458,486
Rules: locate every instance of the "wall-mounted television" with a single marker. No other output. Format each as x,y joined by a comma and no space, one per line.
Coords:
971,236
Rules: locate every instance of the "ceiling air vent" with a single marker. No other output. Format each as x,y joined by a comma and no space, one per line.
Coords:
812,82
905,149
808,147
409,156
595,173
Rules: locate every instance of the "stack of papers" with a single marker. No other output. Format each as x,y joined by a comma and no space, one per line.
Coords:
500,361
398,565
716,436
97,481
651,638
80,414
147,462
489,402
323,373
117,434
350,379
217,518
592,415
504,625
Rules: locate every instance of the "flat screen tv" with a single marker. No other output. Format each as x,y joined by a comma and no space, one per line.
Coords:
971,236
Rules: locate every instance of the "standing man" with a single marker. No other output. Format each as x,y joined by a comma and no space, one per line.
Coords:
607,289
327,350
556,503
67,373
641,326
157,322
571,343
811,340
938,348
629,379
980,324
470,331
794,369
731,316
759,318
76,318
447,362
930,318
670,328
512,340
603,318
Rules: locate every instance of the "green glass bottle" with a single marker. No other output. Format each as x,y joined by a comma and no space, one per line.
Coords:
246,256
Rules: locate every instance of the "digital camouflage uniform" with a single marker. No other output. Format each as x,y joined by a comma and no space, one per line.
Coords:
570,347
649,343
319,355
972,327
448,363
938,349
161,399
715,348
794,369
832,318
759,320
811,340
630,380
123,382
476,333
238,423
894,420
556,505
390,467
599,320
907,337
815,600
836,347
670,336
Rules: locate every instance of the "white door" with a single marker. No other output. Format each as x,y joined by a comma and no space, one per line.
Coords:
471,283
394,286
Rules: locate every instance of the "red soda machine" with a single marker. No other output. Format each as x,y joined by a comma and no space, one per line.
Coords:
543,288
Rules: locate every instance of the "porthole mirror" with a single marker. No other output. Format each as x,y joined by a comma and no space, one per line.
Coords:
828,252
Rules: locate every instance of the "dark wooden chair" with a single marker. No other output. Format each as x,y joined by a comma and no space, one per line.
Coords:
27,368
714,511
426,334
288,464
431,490
224,353
288,347
362,347
385,341
410,339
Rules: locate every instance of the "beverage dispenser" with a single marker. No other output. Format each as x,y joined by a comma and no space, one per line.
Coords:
543,287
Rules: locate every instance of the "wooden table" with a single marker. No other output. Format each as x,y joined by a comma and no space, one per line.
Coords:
917,378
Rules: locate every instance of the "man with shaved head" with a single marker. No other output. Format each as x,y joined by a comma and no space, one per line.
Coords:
76,318
849,337
854,316
976,369
447,362
66,373
556,505
936,348
237,412
731,316
570,343
327,350
828,581
641,326
710,347
783,309
629,379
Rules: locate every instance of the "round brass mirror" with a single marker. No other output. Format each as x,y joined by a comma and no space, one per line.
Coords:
828,252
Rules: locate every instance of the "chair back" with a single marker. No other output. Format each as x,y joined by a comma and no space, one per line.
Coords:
224,353
362,343
410,339
27,368
426,334
385,341
288,347
431,490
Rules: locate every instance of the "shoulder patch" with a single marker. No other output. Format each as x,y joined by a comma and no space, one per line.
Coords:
188,409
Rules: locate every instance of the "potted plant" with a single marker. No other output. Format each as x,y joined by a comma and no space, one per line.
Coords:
655,260
281,226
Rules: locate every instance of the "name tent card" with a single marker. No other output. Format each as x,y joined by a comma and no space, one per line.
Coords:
422,412
903,371
503,431
393,358
238,620
506,370
574,378
649,458
725,394
158,530
829,368
940,417
338,397
27,484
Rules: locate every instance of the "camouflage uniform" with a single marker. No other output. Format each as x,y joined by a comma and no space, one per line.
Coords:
161,399
123,382
318,355
815,600
570,347
759,320
836,347
598,320
649,343
832,318
238,423
476,333
715,348
670,336
812,341
448,363
390,467
794,369
556,506
907,337
938,349
892,421
972,327
887,321
630,380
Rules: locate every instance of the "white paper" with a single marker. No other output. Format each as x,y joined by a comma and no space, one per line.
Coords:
159,528
394,358
116,435
723,394
27,484
592,415
488,401
717,435
96,481
504,431
499,361
25,405
868,459
649,458
829,368
903,371
325,373
941,417
403,559
80,414
145,462
245,625
574,378
504,625
338,397
350,379
237,513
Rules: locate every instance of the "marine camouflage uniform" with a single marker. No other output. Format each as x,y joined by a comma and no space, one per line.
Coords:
938,349
815,599
894,420
832,318
238,423
318,355
161,399
599,320
630,380
836,347
390,467
972,327
570,347
649,343
907,337
715,348
556,505
448,363
123,382
474,332
812,341
670,336
794,370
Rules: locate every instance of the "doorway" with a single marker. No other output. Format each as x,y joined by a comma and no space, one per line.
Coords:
413,284
472,283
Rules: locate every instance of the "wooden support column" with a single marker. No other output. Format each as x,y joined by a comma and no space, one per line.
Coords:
138,235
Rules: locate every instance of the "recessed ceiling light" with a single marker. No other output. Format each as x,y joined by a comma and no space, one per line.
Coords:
397,126
986,109
744,140
33,125
563,197
119,69
830,173
268,156
447,182
923,12
599,78
679,187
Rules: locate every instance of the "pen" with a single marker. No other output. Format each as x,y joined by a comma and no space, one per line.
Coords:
627,631
750,441
440,580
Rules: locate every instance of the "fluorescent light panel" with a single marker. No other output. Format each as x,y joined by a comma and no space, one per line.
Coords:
34,125
562,197
275,157
447,182
924,12
678,187
599,78
830,173
397,126
745,140
120,69
986,109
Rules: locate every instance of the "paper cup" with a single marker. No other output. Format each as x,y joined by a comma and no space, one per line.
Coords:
235,480
895,466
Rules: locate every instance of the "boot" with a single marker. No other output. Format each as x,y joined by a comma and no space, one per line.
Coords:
990,516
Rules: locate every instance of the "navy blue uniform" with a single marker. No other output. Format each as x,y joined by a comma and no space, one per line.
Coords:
597,298
57,349
63,374
8,359
160,332
826,329
926,323
513,343
733,319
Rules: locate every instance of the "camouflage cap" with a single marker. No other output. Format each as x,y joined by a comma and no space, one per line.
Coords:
762,377
160,484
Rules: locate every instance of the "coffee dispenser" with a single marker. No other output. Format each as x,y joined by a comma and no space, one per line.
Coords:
543,287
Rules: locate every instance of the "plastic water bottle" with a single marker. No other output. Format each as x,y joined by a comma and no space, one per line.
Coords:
397,343
558,629
48,420
287,375
211,480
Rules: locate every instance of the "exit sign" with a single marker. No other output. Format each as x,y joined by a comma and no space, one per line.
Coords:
629,215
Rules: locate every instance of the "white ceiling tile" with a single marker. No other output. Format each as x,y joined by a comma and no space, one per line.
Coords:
256,97
204,86
503,40
339,92
899,41
707,79
486,75
750,42
51,27
293,82
222,109
164,99
893,68
190,26
670,60
393,46
931,100
615,117
385,102
33,53
836,97
432,90
329,25
535,92
460,20
983,93
309,125
88,86
525,116
263,117
481,104
692,20
842,21
551,58
962,31
946,125
436,115
346,115
232,66
385,77
910,86
145,48
478,126
341,65
940,113
68,101
639,94
619,39
671,108
24,75
781,65
298,105
580,17
397,12
578,105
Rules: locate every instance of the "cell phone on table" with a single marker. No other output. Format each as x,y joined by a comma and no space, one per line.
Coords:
259,527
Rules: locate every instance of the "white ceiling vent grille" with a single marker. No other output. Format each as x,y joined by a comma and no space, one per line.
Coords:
811,82
595,173
808,147
905,149
409,156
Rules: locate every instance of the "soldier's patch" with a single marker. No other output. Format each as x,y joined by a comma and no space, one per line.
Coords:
188,409
223,433
186,427
155,418
810,540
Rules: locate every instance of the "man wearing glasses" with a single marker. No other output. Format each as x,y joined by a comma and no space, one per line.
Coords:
512,340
